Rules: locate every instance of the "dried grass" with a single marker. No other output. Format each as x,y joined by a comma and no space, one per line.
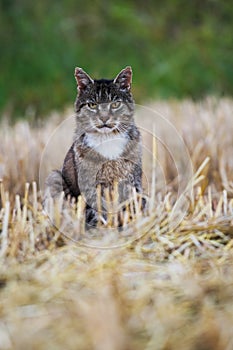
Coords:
152,285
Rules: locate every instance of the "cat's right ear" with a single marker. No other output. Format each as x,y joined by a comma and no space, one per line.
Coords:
82,78
124,78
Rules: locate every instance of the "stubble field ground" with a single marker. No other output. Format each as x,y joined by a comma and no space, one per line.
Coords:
159,285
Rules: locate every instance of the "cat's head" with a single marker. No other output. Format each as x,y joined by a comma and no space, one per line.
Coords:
103,105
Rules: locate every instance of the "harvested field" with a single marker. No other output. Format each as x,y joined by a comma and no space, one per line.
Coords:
164,282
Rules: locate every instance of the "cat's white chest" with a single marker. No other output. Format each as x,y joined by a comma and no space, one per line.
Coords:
108,145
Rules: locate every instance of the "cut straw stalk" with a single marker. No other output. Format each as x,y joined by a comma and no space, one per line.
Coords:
4,235
153,179
35,202
2,192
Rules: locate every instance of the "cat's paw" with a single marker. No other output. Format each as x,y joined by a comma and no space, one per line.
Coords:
91,218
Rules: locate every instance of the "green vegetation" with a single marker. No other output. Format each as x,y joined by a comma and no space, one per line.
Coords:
176,48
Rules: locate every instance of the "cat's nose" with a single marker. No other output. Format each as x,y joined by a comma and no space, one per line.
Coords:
104,118
104,112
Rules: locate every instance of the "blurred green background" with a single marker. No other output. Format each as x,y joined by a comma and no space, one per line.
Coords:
177,48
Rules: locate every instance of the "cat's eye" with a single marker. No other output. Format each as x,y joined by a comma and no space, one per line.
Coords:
92,105
115,104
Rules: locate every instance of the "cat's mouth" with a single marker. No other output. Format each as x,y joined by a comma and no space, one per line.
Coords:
105,128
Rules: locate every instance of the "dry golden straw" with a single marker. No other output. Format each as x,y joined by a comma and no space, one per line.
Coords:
150,284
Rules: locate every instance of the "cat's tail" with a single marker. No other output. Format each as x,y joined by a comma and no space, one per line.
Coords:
53,187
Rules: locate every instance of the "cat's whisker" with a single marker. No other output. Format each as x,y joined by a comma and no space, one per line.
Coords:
121,129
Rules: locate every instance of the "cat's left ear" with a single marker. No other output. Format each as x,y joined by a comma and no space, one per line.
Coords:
82,78
124,78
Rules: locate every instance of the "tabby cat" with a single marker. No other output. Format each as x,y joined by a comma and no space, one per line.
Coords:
107,143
